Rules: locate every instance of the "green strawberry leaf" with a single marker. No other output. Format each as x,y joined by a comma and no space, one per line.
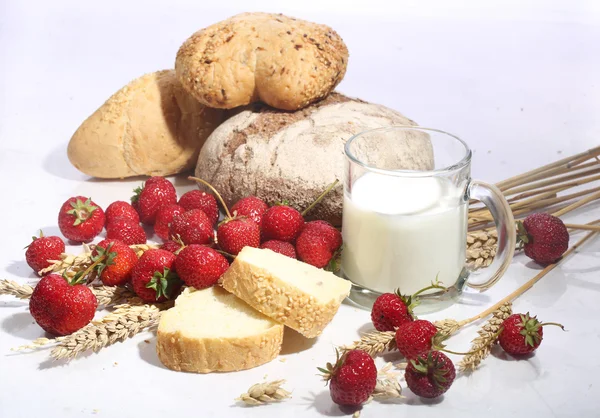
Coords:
163,283
136,193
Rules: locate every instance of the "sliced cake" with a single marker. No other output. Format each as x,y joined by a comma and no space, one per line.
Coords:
212,330
296,294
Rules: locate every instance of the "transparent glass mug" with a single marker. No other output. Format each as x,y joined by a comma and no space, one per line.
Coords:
406,228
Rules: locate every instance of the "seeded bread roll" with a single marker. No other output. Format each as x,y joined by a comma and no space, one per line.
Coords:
149,127
293,156
285,62
211,330
296,294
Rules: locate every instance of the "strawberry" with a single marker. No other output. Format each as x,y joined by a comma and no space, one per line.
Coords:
115,261
430,375
282,223
352,378
331,235
545,237
60,307
153,277
154,194
193,227
237,233
42,250
126,230
120,209
280,247
199,266
251,207
415,338
164,217
197,199
80,219
172,246
391,310
522,334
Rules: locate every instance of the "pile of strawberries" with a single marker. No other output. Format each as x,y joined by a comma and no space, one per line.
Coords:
190,253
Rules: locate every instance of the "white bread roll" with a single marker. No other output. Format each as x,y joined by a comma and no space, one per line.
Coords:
149,127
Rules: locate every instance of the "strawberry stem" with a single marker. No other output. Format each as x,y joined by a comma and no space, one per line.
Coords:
196,179
434,285
77,279
225,253
543,324
321,196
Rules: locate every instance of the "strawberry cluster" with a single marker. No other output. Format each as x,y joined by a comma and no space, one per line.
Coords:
195,251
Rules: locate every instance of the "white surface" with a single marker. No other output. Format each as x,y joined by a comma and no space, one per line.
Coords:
517,80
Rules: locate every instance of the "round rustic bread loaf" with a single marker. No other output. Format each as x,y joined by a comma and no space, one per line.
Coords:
293,156
152,126
284,62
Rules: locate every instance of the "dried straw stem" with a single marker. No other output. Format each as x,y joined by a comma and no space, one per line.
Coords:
375,342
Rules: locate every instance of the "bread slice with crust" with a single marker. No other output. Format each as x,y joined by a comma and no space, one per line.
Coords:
211,330
296,294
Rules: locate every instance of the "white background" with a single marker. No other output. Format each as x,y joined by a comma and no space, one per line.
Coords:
518,80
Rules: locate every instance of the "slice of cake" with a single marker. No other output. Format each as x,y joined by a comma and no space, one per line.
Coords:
212,330
296,294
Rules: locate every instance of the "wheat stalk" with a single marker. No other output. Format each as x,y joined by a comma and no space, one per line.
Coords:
20,291
374,343
387,386
263,393
482,345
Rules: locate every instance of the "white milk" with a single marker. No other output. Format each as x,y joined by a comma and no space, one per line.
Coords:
403,232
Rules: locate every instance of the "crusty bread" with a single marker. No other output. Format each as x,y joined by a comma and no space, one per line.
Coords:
211,330
296,294
293,156
284,62
149,127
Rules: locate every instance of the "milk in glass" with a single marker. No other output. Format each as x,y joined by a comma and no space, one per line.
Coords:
402,232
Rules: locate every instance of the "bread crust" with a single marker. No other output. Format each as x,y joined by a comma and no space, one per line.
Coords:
278,300
285,62
152,126
294,156
206,355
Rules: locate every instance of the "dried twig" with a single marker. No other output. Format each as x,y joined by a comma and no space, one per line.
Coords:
263,393
488,335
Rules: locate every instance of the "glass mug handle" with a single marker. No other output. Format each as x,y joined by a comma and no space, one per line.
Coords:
493,199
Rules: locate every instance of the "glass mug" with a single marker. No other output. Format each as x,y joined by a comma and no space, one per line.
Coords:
403,229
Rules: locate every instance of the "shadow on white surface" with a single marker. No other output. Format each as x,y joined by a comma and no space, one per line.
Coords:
294,342
20,268
51,363
414,400
323,404
57,163
366,328
147,352
22,325
14,304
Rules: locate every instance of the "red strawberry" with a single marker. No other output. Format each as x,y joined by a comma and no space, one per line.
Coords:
390,311
197,199
199,266
330,234
317,247
193,227
352,378
415,338
153,277
280,247
120,209
164,217
282,223
117,261
545,237
61,308
522,334
155,193
126,230
251,207
235,234
430,375
172,246
43,249
80,219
